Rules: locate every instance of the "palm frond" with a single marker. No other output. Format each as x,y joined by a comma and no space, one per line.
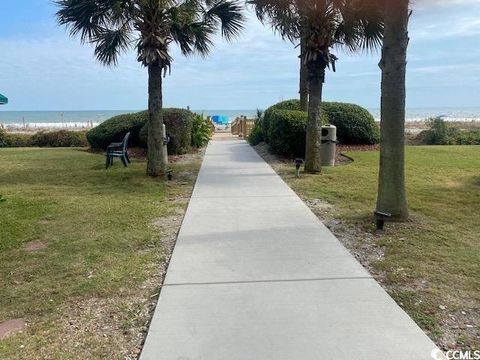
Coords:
281,15
109,44
111,24
88,17
81,16
324,24
228,13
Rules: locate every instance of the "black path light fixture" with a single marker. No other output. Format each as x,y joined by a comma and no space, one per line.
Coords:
298,164
380,218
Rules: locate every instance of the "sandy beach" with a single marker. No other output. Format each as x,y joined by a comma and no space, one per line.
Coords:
412,128
38,127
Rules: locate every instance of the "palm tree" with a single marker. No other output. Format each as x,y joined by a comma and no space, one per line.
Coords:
392,196
151,26
303,80
322,25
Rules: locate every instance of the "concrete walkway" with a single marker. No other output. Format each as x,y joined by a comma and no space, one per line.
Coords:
256,276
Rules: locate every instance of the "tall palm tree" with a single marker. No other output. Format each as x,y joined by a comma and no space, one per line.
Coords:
392,196
151,26
323,25
303,80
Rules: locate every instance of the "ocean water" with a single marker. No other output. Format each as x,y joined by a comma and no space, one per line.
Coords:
95,117
67,119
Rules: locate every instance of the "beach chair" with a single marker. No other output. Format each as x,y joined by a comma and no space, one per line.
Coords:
118,150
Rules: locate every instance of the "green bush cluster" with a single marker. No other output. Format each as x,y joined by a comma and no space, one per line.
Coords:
441,132
283,126
115,128
269,115
201,131
60,138
355,125
14,140
179,124
287,132
256,135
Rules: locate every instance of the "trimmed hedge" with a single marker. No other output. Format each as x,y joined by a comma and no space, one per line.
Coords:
355,125
115,128
267,118
178,122
287,132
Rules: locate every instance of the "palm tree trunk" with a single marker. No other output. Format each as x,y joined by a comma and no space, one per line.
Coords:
316,78
303,79
156,165
392,196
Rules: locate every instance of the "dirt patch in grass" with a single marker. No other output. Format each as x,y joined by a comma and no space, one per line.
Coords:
11,327
35,245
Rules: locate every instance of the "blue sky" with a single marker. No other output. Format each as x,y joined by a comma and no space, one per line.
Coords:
41,68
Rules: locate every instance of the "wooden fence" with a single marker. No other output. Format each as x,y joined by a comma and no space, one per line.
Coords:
242,126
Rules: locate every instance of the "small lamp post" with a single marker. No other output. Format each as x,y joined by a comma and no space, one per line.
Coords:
298,165
380,218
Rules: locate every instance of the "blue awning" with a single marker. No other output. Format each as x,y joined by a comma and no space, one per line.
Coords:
220,119
3,100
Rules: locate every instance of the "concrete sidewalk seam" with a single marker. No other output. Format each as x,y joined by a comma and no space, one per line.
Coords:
243,197
269,281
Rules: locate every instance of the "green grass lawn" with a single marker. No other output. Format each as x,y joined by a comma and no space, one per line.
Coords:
87,294
431,264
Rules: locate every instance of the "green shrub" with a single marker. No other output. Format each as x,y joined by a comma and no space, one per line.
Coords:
179,124
355,125
3,133
468,137
442,133
15,140
60,138
201,131
115,128
287,132
256,135
267,119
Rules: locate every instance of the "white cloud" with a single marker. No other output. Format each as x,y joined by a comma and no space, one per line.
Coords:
56,72
428,4
454,27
